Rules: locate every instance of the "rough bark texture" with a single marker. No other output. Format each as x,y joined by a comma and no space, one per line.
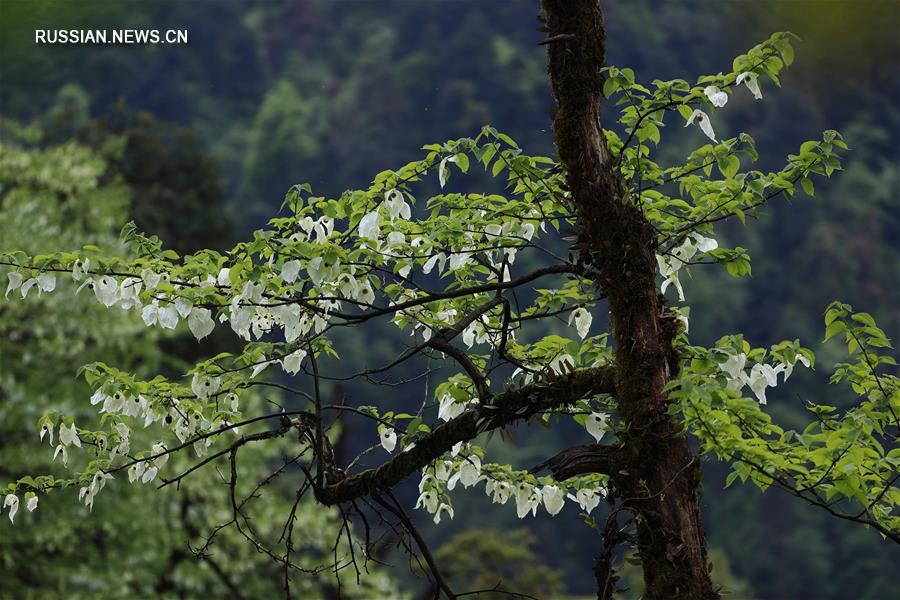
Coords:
619,246
502,409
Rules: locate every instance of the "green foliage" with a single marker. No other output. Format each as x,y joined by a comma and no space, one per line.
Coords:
490,559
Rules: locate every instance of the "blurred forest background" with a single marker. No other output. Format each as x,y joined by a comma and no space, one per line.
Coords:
199,143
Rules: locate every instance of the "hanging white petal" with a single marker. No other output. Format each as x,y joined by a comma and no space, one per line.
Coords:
368,226
388,438
290,270
200,322
596,425
716,96
703,121
749,79
582,319
554,499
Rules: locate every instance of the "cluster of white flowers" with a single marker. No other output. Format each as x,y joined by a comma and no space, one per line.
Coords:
761,376
11,502
444,475
671,263
718,98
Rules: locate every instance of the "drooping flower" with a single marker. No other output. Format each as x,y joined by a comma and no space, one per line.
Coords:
200,322
32,502
68,435
749,79
15,282
204,386
290,270
716,96
734,368
582,319
429,500
587,499
168,316
526,499
388,437
46,282
291,363
554,498
469,470
761,377
106,289
12,502
444,170
703,121
368,226
596,425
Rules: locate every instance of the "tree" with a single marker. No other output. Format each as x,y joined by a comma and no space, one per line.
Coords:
327,264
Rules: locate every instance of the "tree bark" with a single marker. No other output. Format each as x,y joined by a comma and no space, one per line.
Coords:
661,476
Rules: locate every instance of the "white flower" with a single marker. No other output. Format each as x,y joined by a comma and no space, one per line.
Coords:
750,80
31,503
291,363
582,319
11,501
46,429
734,366
68,435
469,470
15,282
554,499
761,377
290,270
396,205
587,499
449,408
30,283
388,438
596,425
60,449
201,322
429,500
443,507
499,491
368,226
168,316
149,474
526,499
716,96
789,367
106,289
703,120
150,314
46,282
444,170
204,386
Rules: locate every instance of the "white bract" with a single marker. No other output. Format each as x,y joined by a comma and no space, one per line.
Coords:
368,226
554,499
388,438
749,79
582,319
12,502
703,121
596,425
716,96
671,263
200,322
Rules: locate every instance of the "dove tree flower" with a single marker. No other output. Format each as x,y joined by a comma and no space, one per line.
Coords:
751,80
703,122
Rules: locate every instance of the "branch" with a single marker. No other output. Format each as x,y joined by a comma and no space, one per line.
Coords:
578,460
505,408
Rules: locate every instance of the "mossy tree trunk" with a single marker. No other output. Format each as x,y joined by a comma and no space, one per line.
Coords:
659,478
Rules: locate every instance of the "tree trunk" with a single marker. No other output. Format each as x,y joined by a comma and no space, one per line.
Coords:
619,245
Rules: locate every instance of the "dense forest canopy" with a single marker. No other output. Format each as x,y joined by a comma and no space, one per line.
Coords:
275,95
